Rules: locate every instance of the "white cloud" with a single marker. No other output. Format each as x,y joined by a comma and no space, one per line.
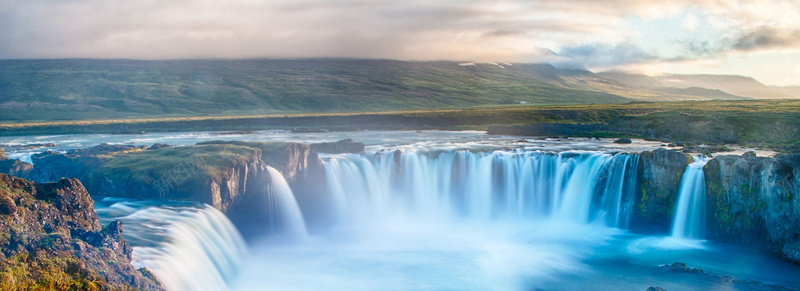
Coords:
501,30
690,23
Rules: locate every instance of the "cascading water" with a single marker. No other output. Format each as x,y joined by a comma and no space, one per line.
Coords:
284,214
572,186
187,246
689,221
437,220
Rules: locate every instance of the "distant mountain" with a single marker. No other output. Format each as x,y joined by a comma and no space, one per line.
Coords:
791,91
700,92
42,90
633,80
737,85
734,87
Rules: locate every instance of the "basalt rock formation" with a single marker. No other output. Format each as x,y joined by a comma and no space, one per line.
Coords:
51,239
755,202
661,173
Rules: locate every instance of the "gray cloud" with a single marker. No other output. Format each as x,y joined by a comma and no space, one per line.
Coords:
767,38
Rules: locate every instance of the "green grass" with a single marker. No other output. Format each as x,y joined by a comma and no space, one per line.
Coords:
772,123
150,165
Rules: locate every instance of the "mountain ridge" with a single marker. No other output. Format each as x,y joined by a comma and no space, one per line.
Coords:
75,89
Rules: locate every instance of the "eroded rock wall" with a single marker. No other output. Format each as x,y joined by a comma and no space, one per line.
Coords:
50,238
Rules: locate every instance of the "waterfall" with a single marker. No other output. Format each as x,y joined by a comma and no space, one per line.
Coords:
284,214
578,186
689,221
187,246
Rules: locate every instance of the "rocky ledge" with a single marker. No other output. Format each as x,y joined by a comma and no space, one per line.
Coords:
51,239
231,176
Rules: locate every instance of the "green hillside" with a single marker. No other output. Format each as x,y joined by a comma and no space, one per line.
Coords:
41,90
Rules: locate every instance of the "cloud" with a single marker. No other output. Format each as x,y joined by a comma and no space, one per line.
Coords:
414,29
767,38
690,23
585,32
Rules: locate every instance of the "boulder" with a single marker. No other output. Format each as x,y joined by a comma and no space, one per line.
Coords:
623,140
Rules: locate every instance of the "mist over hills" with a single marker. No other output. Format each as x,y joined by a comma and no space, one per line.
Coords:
40,90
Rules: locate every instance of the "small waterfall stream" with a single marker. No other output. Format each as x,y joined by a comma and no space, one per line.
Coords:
187,246
284,215
689,221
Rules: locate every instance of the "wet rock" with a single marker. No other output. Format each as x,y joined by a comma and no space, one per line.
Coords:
660,175
754,202
749,154
623,140
683,268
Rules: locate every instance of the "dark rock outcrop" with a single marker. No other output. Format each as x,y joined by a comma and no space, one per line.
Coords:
50,238
683,268
547,129
623,140
661,173
15,167
339,147
755,202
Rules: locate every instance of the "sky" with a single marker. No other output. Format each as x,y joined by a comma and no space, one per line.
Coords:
742,37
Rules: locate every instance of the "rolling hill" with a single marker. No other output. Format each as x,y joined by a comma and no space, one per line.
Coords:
72,89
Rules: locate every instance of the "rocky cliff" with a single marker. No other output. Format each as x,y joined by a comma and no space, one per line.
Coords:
752,201
230,176
755,201
660,173
51,239
15,167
